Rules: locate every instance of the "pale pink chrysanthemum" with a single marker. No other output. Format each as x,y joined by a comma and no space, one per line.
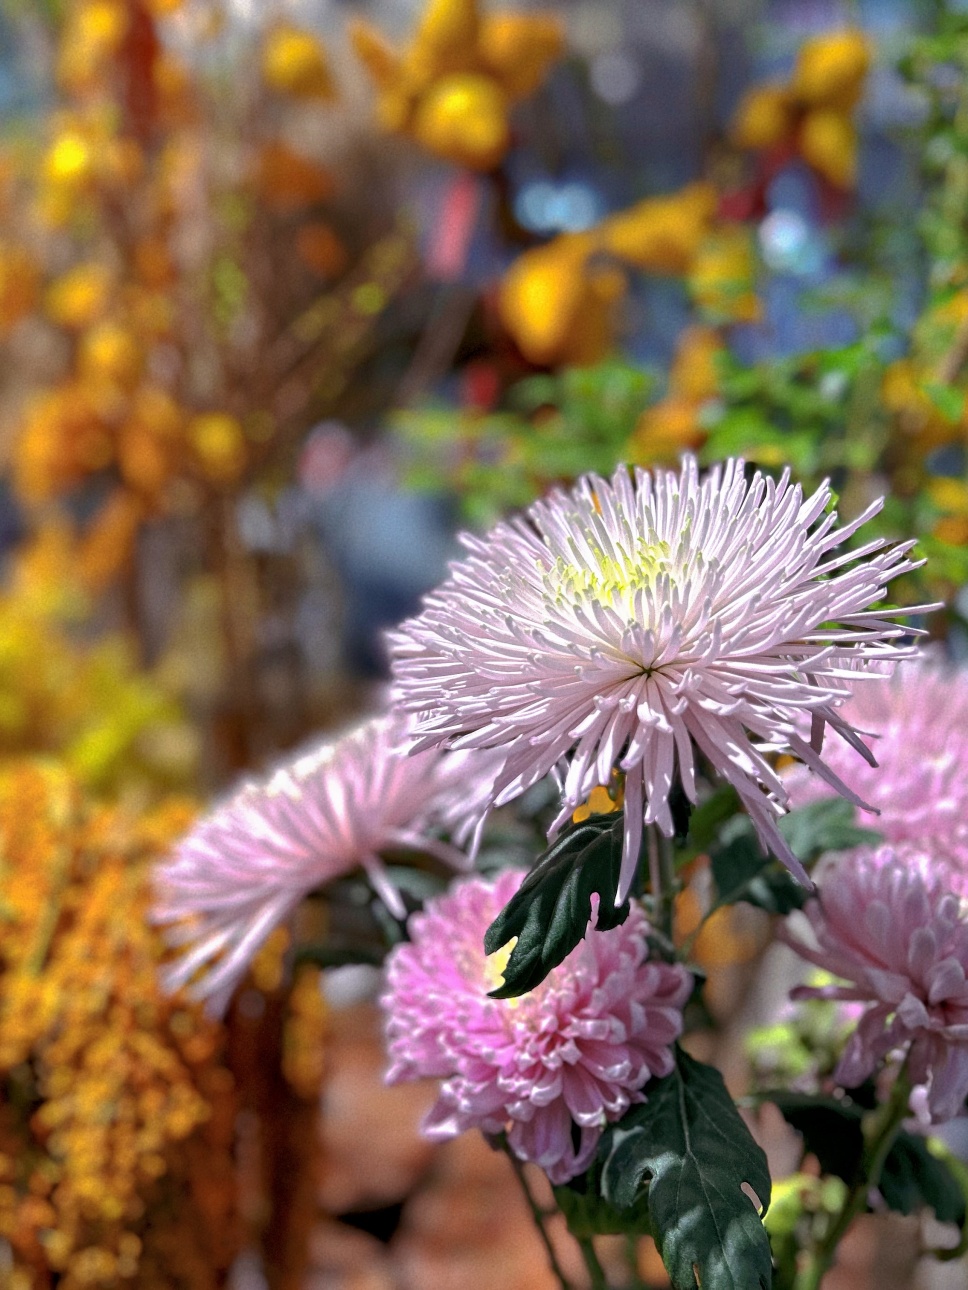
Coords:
626,621
576,1051
919,722
887,922
246,866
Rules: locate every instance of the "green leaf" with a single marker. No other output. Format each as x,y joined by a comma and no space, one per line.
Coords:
550,911
707,819
742,872
830,1128
916,1175
587,1213
827,825
914,1178
689,1144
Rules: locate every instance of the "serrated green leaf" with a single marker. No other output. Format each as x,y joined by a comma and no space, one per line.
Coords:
689,1144
550,911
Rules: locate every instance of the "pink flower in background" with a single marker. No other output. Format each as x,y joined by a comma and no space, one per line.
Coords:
629,622
245,867
887,923
577,1050
919,722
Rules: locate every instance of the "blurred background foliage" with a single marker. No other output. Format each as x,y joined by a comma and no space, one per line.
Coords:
288,291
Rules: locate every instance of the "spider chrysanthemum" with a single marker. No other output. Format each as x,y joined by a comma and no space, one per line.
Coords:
630,622
243,869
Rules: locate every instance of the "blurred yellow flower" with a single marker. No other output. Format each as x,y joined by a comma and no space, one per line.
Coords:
110,352
79,297
722,276
69,160
828,142
92,35
451,87
672,425
921,423
120,1081
764,118
295,62
519,49
219,442
662,234
558,305
831,69
464,118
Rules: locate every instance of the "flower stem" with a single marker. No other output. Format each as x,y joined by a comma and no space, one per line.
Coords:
662,881
539,1216
880,1131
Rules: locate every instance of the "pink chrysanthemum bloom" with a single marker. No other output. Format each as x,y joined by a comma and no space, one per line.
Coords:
576,1051
887,923
245,867
627,621
919,720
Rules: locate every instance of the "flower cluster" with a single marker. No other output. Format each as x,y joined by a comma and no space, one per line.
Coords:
888,924
245,867
453,87
812,115
636,621
118,1081
557,301
573,1054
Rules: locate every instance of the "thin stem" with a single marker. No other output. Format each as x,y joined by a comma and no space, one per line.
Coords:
883,1127
539,1215
662,881
595,1269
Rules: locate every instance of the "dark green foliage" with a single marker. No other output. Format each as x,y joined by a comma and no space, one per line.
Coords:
689,1145
913,1178
549,913
743,872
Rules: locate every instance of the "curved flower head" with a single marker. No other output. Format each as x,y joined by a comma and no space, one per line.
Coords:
245,867
576,1051
887,922
630,622
919,722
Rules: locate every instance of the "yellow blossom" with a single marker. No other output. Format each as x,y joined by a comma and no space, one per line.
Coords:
721,278
662,234
219,442
828,142
295,62
79,297
464,118
764,117
831,69
520,48
121,1091
557,306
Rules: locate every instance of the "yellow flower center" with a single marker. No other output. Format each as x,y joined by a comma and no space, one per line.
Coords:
495,964
612,579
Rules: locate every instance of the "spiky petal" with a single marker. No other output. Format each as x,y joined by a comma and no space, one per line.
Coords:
246,866
630,622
